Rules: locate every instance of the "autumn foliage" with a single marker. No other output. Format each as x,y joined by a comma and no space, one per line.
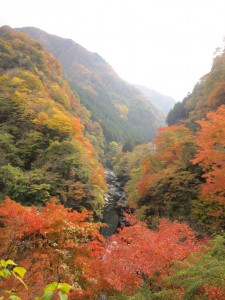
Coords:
57,244
211,155
173,148
53,243
137,253
45,142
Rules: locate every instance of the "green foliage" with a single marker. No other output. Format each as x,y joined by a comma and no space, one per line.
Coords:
7,269
178,112
208,94
172,196
42,143
128,145
62,288
112,152
121,110
198,274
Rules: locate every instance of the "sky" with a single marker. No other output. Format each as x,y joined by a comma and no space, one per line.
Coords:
165,45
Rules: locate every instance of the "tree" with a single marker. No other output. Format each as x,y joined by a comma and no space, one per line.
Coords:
211,155
199,276
142,255
54,244
168,183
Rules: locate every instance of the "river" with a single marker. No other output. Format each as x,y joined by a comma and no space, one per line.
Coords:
115,199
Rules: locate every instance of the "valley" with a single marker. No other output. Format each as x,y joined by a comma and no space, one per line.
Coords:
99,198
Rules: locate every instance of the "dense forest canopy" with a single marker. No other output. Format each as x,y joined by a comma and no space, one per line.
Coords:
207,95
52,184
122,110
182,175
44,152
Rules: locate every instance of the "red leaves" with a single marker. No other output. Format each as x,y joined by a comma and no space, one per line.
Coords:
57,243
214,292
136,252
52,243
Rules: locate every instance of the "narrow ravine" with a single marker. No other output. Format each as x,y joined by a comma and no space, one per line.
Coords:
115,198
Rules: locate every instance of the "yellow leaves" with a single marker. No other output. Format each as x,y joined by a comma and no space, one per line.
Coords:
28,80
17,81
41,118
56,118
60,122
58,94
123,109
5,46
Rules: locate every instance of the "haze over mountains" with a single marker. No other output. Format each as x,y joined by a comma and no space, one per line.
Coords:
170,242
161,102
121,109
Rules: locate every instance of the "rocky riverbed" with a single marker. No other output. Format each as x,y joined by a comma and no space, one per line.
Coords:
116,204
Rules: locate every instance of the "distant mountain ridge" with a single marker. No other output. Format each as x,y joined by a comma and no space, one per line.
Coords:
162,102
120,108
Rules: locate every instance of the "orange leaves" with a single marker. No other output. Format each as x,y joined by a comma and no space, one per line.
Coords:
21,220
174,146
57,243
211,138
52,243
144,184
171,141
139,252
77,127
211,155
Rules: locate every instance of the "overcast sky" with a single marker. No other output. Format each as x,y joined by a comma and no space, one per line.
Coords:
166,45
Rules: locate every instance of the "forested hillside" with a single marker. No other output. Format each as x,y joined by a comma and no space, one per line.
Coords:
207,95
181,175
121,109
170,241
43,149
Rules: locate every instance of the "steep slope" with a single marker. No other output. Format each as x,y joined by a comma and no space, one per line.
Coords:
120,108
207,95
43,149
161,102
183,176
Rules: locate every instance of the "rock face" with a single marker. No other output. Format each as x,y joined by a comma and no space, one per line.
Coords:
116,204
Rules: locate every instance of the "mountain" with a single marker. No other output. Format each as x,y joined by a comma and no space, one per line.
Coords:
43,150
161,102
207,95
120,108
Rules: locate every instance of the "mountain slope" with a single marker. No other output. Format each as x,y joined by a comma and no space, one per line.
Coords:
43,151
162,102
208,94
120,108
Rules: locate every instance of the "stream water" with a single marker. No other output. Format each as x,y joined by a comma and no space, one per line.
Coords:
115,200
